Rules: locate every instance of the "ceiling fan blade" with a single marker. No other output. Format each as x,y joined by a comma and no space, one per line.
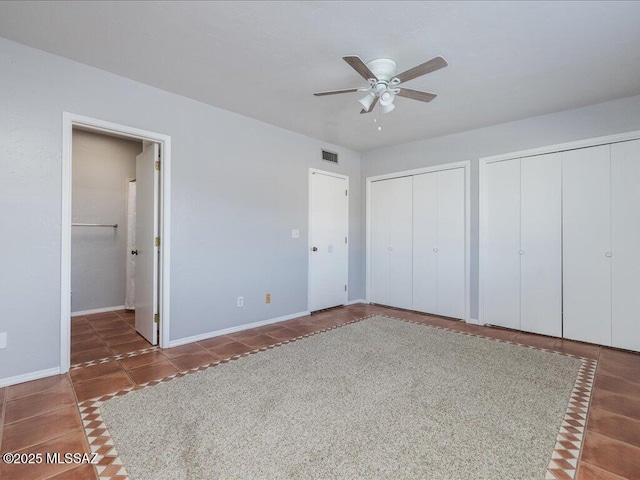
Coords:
416,94
359,66
422,69
335,92
375,100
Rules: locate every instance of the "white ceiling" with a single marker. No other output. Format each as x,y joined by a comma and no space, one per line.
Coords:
507,60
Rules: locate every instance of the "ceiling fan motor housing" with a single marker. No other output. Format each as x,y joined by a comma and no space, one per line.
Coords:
383,68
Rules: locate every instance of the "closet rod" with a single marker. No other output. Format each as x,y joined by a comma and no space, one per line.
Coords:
114,225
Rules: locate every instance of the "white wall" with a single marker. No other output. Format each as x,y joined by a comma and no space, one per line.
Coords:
593,121
238,188
101,167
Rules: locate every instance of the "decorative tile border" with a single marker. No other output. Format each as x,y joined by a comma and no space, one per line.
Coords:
120,356
564,459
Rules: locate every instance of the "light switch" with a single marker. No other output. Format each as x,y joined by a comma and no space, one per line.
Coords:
295,233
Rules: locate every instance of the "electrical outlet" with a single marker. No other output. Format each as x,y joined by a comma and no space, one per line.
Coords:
267,298
3,340
241,301
295,233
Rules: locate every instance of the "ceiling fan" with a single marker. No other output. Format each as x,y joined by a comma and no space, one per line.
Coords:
384,81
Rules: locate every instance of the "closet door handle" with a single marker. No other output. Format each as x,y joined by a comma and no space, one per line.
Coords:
134,252
608,254
520,252
435,249
390,248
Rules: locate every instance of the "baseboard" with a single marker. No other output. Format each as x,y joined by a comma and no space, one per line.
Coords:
239,328
97,310
474,321
26,377
358,300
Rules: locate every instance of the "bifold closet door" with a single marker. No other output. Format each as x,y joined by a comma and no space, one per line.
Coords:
501,239
586,197
541,244
625,245
392,242
425,242
451,243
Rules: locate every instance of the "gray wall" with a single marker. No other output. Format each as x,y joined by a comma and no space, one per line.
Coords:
101,167
238,188
596,120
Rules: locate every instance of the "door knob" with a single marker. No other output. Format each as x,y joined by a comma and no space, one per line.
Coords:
520,252
134,252
314,249
435,249
608,254
389,248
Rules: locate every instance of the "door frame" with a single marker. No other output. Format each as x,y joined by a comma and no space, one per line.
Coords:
69,121
466,165
309,246
482,192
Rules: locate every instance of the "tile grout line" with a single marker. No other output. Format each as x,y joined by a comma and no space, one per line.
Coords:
613,475
41,413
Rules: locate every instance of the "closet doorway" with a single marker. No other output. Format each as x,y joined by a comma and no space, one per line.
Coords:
115,241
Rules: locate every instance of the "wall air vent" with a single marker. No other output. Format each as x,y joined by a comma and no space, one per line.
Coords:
329,156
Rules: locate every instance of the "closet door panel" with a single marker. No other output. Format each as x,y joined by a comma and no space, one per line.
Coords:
425,242
451,243
625,244
541,245
586,241
380,266
501,282
401,235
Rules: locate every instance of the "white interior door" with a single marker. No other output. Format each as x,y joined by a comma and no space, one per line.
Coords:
541,245
328,265
501,283
146,275
425,242
401,267
586,197
130,289
391,265
625,239
451,243
380,261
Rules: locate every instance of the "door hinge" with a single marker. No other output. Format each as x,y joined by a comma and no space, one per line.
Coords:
157,242
157,164
345,193
345,288
345,240
156,318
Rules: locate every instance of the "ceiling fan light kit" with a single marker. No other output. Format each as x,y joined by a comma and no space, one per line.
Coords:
381,73
367,100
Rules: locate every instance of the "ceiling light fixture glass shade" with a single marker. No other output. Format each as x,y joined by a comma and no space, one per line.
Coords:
367,101
387,108
386,98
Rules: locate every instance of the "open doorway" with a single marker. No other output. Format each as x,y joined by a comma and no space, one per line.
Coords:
115,217
103,245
